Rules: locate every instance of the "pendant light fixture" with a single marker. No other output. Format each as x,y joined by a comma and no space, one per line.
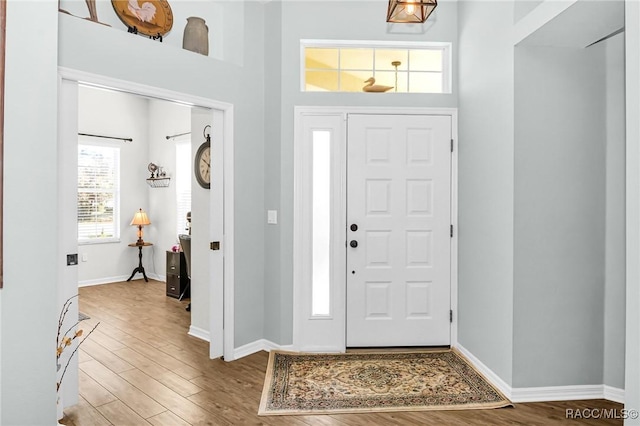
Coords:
410,11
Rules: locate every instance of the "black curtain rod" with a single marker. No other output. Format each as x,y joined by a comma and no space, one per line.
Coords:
106,137
179,134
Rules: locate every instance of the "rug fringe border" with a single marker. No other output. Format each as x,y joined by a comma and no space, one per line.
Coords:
384,410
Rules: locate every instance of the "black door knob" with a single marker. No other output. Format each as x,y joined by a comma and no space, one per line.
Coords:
353,243
354,227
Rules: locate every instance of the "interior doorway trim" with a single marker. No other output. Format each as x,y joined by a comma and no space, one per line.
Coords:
221,331
301,319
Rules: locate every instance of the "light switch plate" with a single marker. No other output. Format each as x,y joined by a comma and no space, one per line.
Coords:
272,217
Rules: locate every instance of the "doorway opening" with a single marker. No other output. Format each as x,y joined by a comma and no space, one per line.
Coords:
213,271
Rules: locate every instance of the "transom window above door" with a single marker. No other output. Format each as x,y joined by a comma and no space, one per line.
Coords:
346,66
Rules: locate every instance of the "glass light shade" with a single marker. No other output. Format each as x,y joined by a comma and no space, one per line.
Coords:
410,11
140,218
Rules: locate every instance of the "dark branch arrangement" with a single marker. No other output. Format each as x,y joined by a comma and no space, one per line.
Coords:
63,340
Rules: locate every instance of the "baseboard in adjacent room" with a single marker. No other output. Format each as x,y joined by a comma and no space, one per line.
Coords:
118,279
100,281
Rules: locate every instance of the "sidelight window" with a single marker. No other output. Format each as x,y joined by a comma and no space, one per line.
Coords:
321,213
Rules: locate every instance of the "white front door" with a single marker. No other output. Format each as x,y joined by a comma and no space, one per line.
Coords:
398,230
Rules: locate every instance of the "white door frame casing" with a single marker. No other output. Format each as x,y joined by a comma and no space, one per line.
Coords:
221,301
327,334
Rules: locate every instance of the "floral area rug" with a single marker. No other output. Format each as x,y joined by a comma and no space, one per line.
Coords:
370,382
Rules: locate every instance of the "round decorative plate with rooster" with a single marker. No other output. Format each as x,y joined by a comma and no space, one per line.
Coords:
148,17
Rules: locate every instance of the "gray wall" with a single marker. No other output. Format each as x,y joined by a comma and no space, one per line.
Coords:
247,88
357,20
30,216
559,216
277,318
614,290
485,238
541,242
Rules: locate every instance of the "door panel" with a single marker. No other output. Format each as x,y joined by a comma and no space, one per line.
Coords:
398,259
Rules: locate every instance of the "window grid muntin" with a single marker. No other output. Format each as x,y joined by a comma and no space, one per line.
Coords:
443,48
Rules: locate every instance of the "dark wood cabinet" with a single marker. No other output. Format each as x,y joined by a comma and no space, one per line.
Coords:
177,278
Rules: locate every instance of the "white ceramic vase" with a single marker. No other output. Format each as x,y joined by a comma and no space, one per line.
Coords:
196,36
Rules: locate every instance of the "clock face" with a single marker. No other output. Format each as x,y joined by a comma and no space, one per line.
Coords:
202,166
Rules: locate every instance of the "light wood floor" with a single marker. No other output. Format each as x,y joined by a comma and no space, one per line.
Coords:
140,367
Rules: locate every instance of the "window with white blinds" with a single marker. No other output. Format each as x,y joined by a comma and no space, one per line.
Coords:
98,194
183,185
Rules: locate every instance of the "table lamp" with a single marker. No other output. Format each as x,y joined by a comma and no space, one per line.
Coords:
140,219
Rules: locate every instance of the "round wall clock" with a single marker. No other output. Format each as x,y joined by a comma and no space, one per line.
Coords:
150,17
202,165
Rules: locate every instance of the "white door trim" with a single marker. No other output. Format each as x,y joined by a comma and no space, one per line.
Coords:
222,339
319,333
300,240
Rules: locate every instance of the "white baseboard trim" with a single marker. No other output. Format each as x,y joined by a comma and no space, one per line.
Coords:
493,378
257,346
117,279
105,280
547,393
199,333
321,350
614,394
557,393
